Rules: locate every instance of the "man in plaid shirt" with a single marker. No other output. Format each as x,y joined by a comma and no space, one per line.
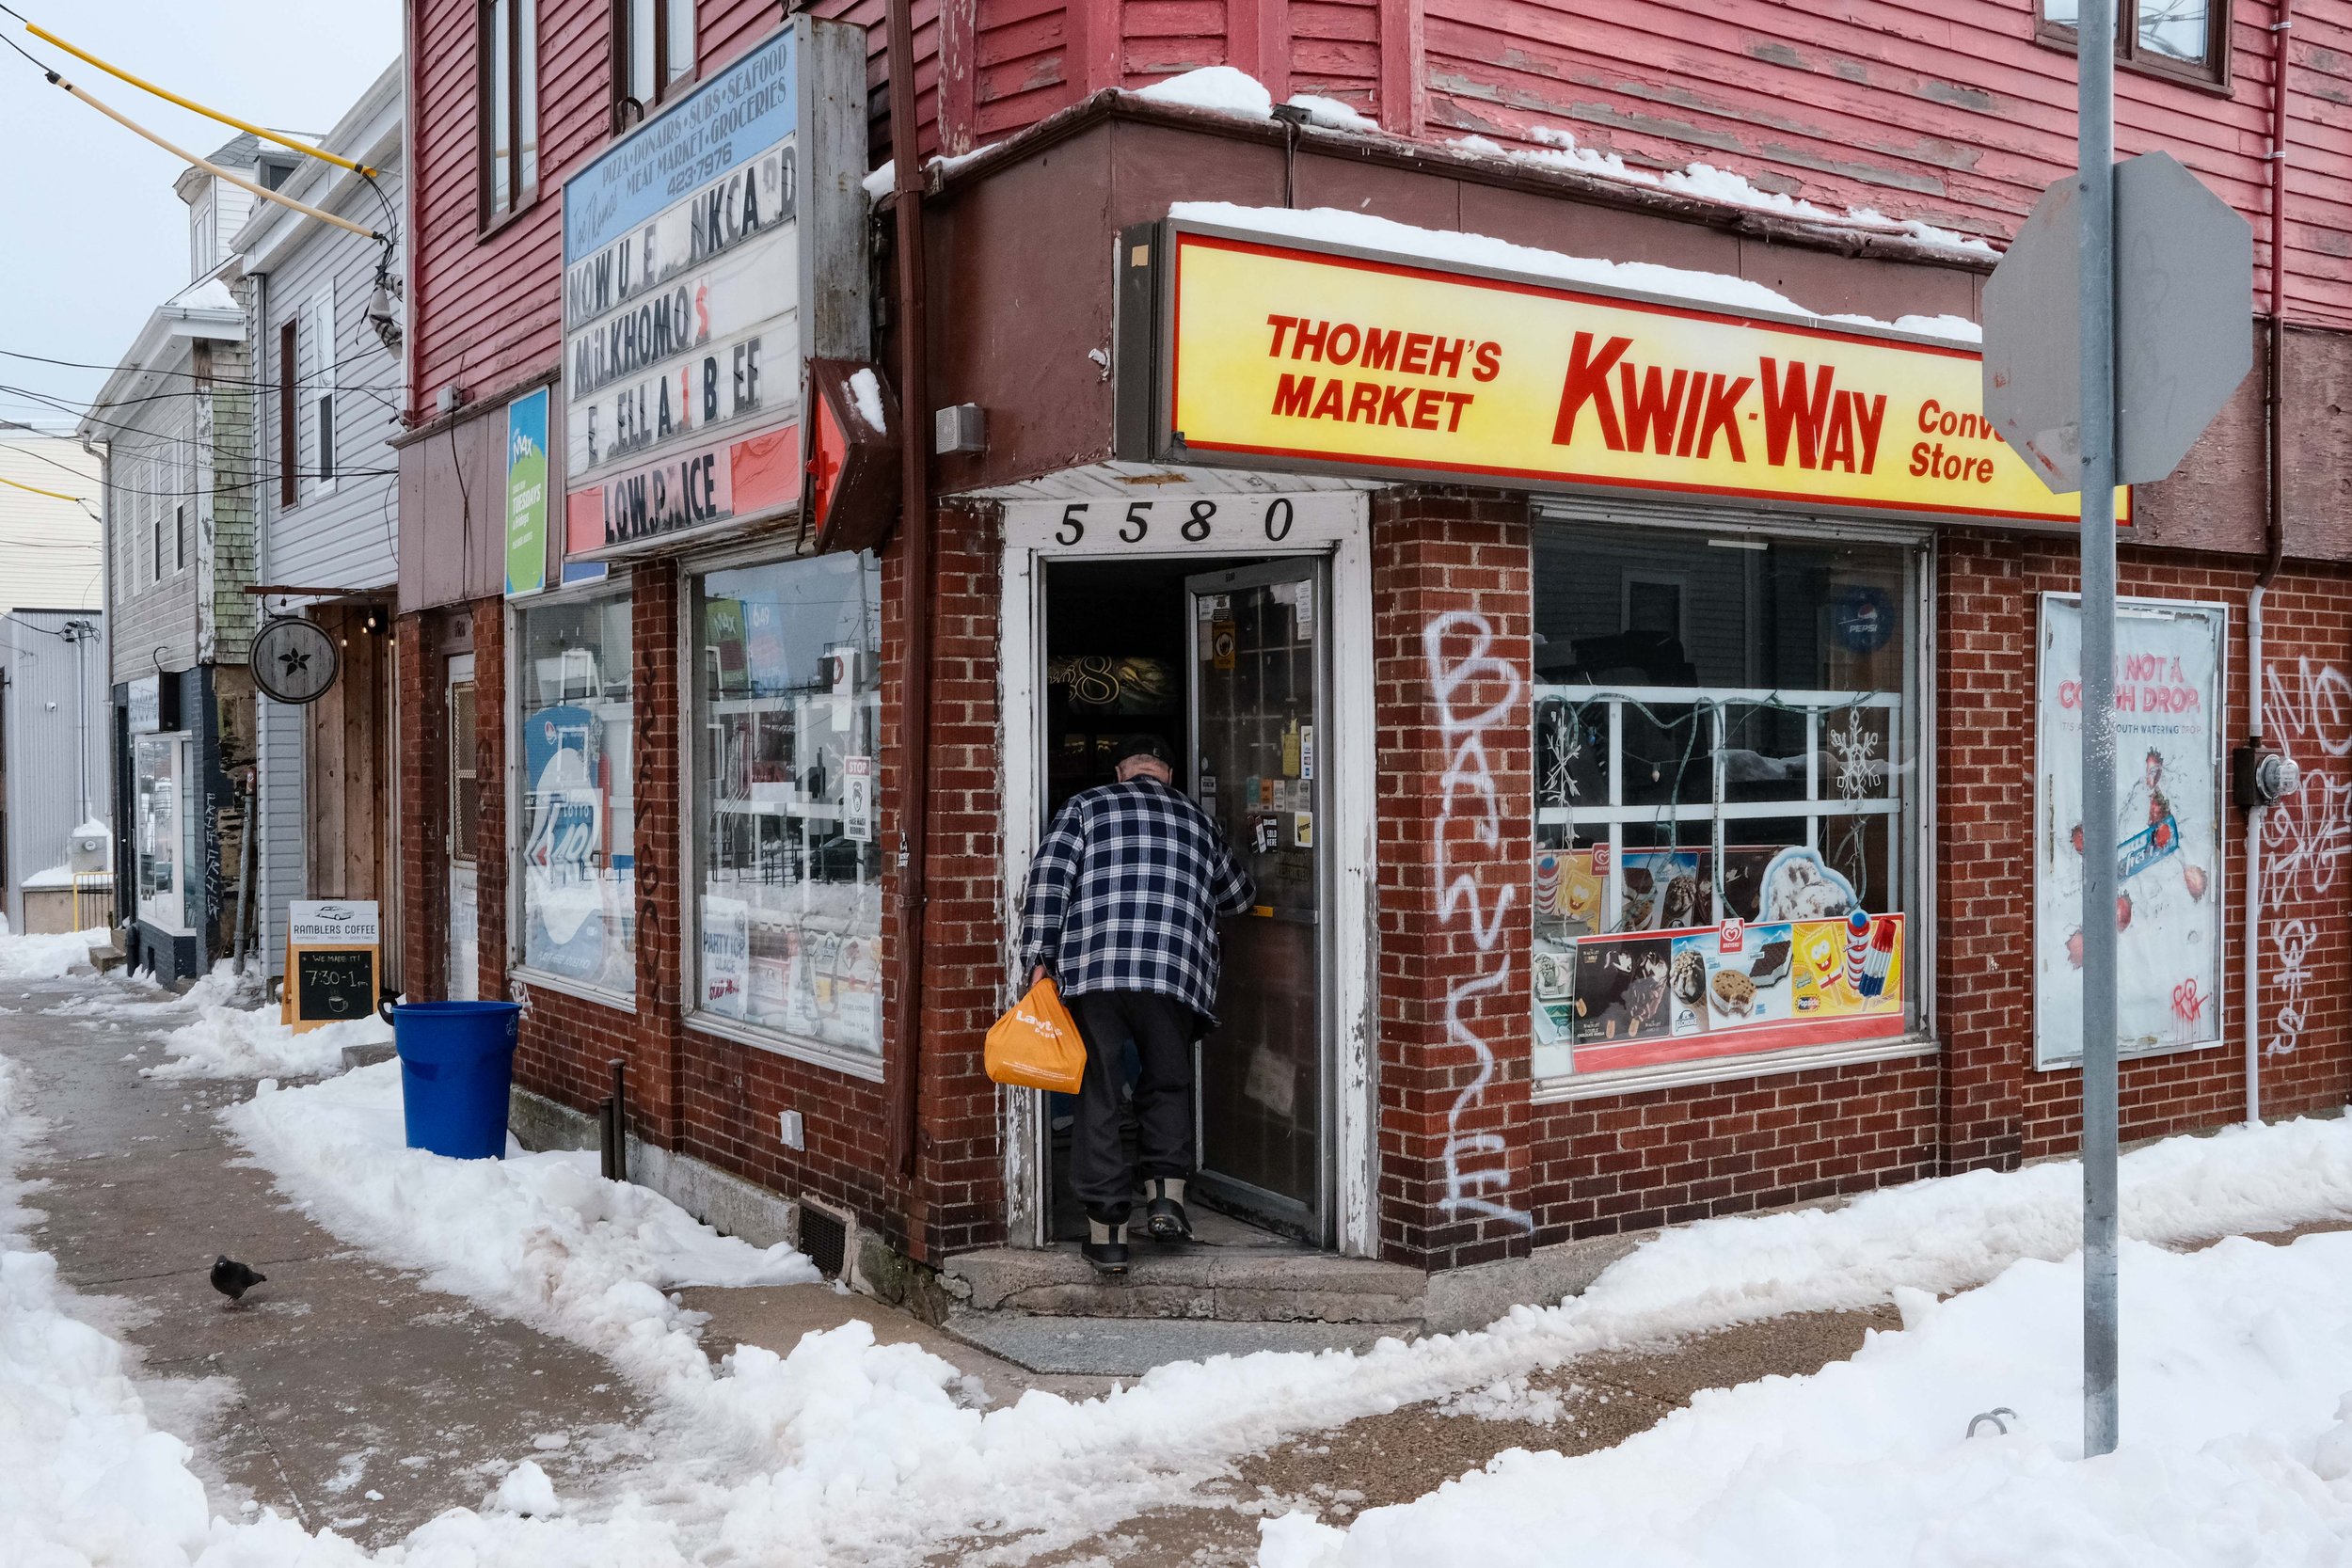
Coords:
1121,912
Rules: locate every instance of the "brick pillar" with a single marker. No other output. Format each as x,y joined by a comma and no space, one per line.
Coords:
424,870
657,1072
960,1153
1981,934
489,840
1452,624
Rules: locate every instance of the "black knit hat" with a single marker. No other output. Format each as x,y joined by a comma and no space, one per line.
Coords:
1144,746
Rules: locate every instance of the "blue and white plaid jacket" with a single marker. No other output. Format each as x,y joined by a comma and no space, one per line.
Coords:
1125,895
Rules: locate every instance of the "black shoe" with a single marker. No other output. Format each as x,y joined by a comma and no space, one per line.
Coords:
1164,1213
1105,1246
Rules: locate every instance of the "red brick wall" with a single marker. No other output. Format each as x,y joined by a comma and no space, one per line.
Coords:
1469,1168
961,1196
1452,651
423,803
1989,589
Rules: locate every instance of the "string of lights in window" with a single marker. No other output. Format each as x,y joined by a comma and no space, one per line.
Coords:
1564,738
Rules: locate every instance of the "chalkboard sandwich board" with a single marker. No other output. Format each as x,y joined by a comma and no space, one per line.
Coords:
331,961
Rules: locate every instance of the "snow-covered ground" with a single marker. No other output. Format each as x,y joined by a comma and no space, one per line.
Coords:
47,957
843,1450
222,1026
2237,1448
896,1452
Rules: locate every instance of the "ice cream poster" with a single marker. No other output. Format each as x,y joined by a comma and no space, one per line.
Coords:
1731,988
2169,716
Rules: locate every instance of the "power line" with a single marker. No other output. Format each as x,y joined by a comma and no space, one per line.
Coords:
371,353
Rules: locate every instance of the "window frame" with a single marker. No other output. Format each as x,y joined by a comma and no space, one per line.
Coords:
465,766
619,585
668,83
2212,74
320,312
521,110
289,349
1917,833
850,1062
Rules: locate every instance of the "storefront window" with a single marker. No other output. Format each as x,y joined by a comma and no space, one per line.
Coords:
1725,772
578,846
166,832
789,720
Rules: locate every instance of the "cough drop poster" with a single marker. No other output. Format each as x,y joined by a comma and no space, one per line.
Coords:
2165,836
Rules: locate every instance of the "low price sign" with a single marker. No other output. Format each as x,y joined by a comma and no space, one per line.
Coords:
1316,358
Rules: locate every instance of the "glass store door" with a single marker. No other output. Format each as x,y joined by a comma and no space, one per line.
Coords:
1257,704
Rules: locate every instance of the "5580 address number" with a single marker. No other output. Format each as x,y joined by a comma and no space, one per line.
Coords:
1194,523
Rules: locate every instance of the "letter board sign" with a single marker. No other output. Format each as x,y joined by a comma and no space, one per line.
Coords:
706,254
1270,352
332,961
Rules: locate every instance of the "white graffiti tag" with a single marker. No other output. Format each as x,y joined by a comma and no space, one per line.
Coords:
2307,836
1477,1180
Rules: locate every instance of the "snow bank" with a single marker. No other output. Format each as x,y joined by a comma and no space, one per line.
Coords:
83,1477
234,1035
87,1480
2237,1450
859,1448
47,957
1336,226
539,1237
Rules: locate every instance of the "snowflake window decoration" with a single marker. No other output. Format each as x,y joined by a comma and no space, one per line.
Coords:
1855,751
1563,746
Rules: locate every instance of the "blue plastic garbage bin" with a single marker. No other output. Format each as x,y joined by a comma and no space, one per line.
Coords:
457,1062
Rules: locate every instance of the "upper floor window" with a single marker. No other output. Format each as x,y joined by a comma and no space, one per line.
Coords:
653,55
203,235
509,101
2188,39
319,327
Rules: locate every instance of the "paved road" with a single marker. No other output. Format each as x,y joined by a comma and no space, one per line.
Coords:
348,1394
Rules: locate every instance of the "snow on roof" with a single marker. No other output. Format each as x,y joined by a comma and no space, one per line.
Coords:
1223,90
1332,226
868,392
1219,87
208,294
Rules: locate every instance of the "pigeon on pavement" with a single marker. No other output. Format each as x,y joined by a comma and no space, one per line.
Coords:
233,1279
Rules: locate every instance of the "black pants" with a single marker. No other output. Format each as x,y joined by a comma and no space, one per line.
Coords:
1161,1028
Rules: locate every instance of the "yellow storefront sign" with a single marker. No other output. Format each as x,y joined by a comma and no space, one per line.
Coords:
1284,353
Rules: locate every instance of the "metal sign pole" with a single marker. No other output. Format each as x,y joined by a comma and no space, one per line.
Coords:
2095,58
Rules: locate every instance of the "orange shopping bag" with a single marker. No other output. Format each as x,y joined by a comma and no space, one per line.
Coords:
1035,1044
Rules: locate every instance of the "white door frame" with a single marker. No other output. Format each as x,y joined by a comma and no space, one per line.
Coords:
1241,525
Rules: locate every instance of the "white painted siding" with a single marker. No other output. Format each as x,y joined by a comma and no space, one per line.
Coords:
339,533
155,621
284,875
57,726
50,551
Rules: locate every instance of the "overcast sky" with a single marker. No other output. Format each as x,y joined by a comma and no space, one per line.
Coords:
96,239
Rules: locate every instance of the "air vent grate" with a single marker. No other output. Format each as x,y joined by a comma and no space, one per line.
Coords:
826,1237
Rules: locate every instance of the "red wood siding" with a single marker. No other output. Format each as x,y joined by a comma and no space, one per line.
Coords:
1335,51
1952,113
487,310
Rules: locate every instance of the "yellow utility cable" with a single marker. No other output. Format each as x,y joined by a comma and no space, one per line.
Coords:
56,494
47,37
185,156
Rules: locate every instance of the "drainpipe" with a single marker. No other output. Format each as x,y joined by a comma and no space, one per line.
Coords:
2274,541
906,153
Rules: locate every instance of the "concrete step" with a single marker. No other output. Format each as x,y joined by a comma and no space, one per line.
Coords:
1222,1284
106,959
1129,1347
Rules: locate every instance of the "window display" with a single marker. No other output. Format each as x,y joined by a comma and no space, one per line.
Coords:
1726,778
166,832
789,718
577,841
